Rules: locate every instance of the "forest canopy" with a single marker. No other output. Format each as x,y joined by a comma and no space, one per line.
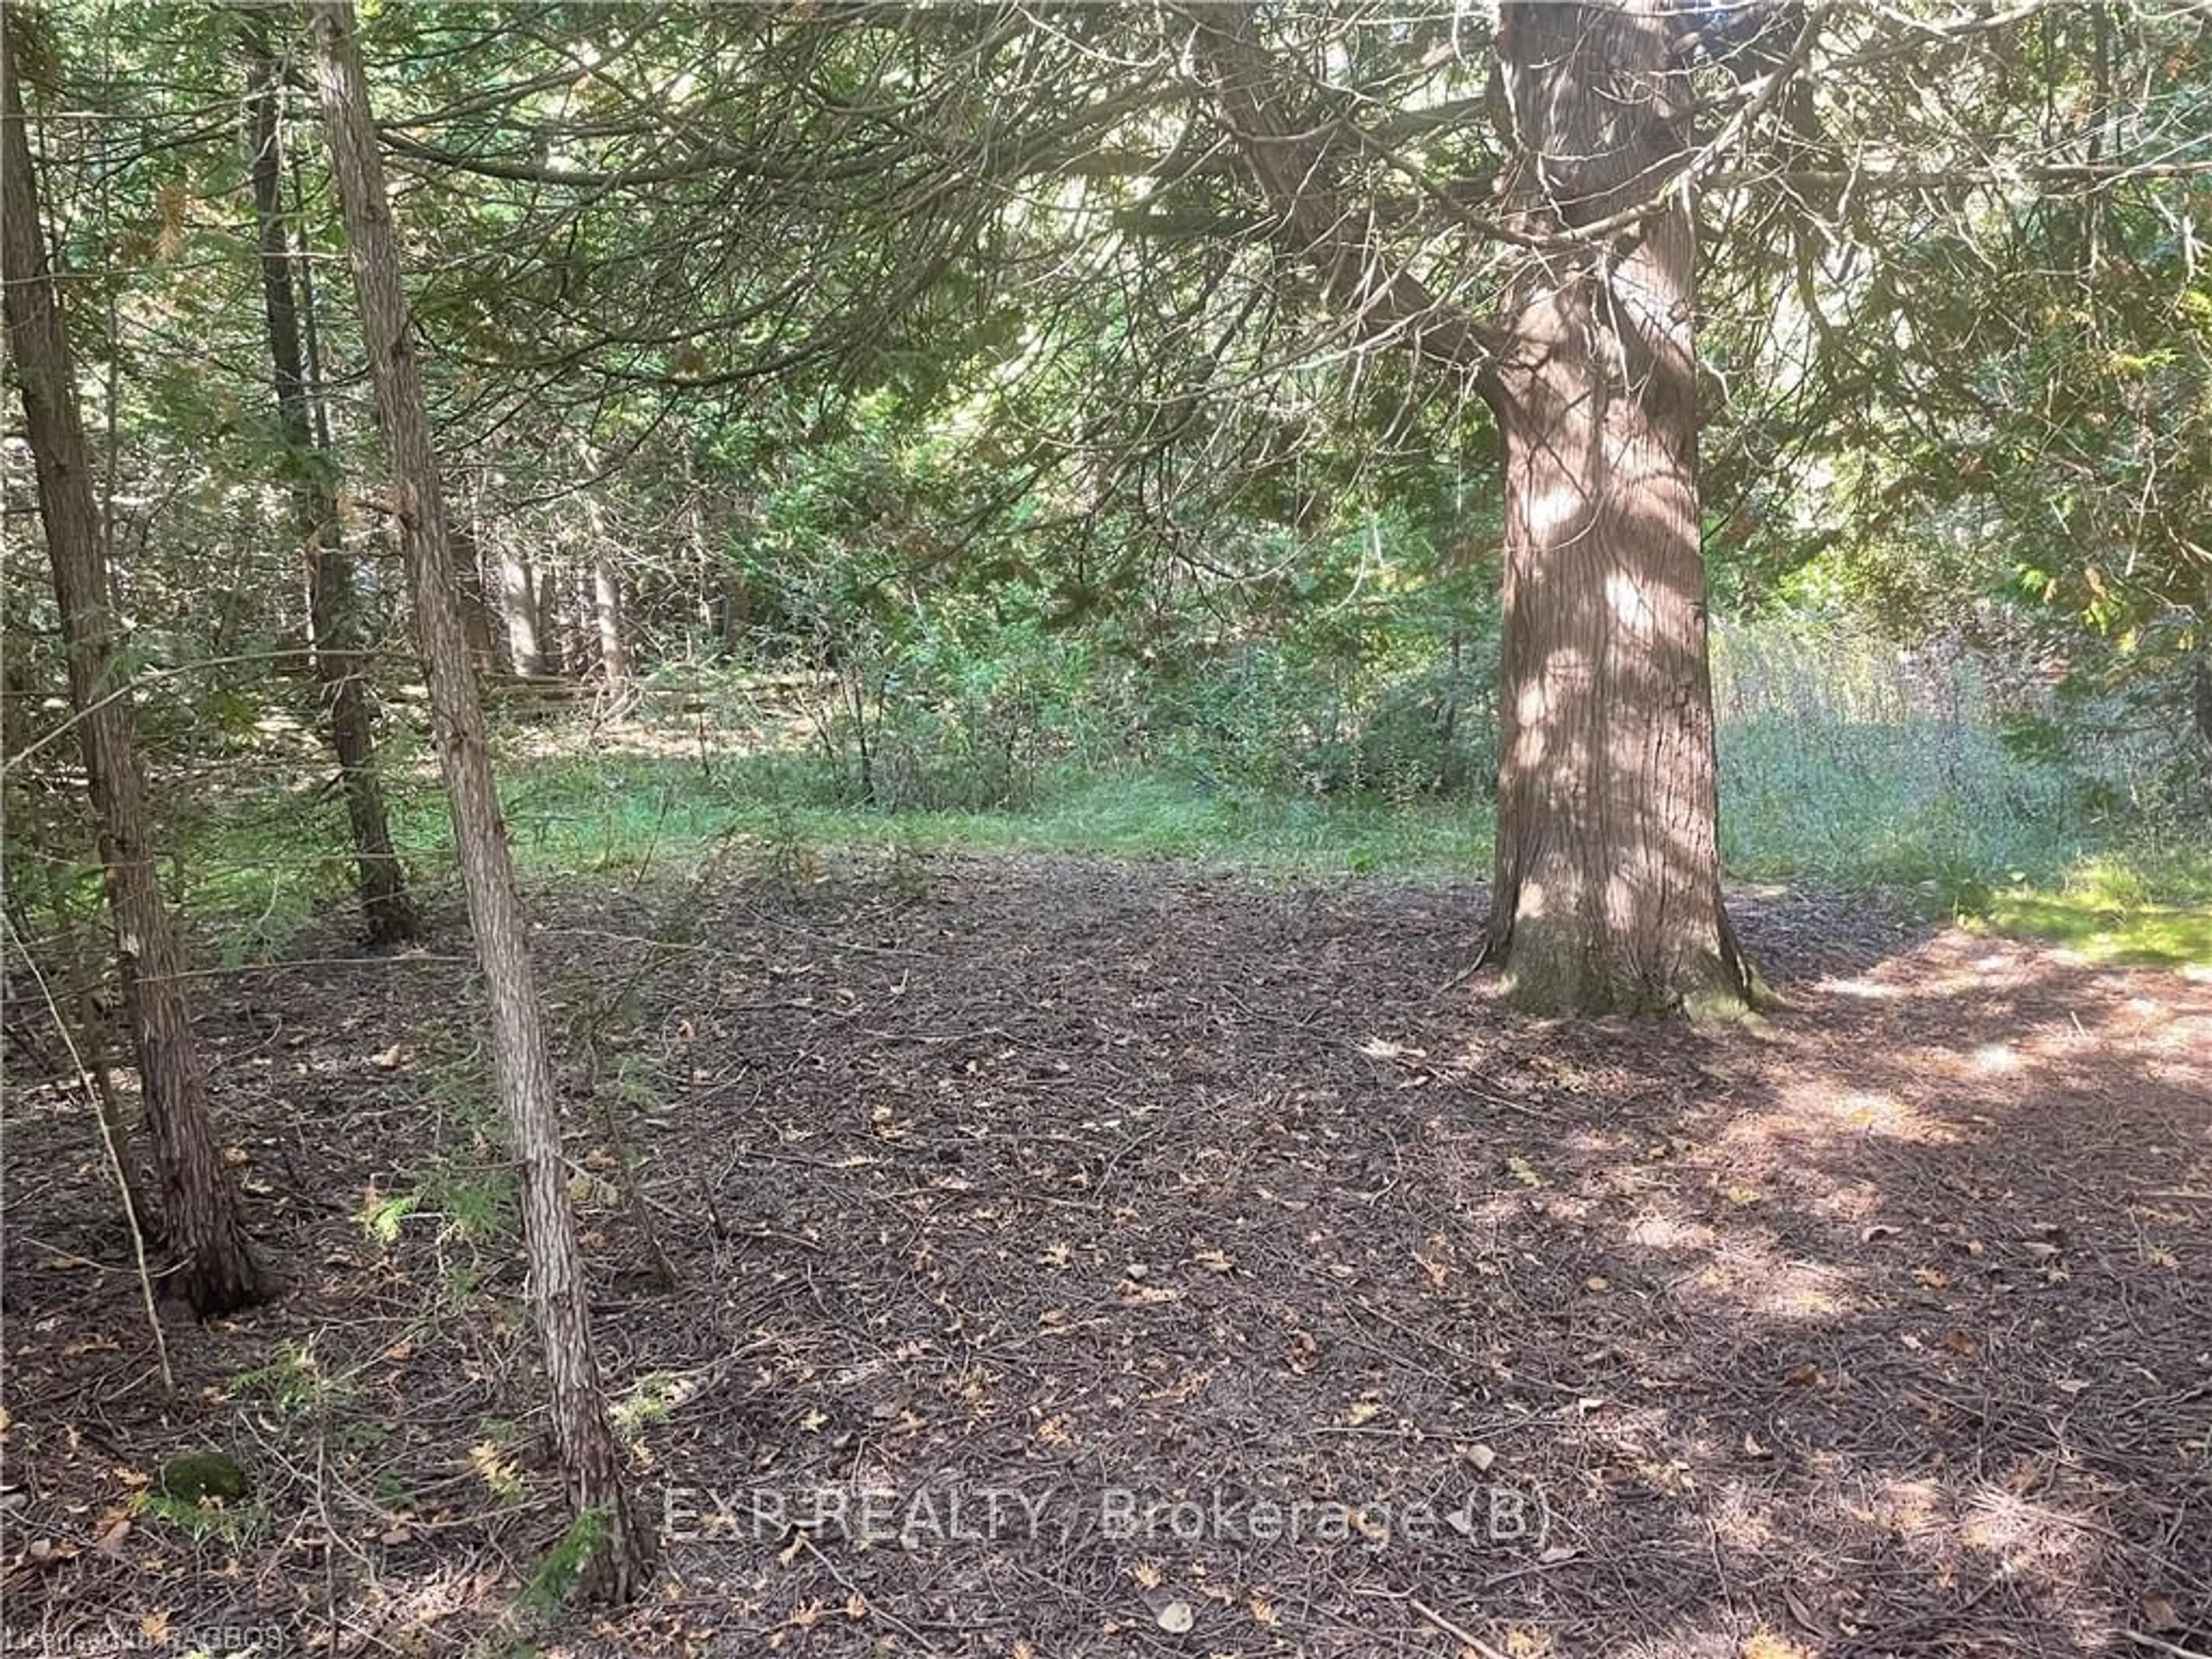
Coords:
781,317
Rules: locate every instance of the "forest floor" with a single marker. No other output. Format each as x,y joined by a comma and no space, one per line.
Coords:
1040,1222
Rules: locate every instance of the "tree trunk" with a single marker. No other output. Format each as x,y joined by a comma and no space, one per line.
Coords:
469,590
1608,897
559,631
732,615
334,647
199,1198
1608,874
619,1552
518,605
607,606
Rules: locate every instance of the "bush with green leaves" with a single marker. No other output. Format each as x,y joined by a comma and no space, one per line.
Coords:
1374,673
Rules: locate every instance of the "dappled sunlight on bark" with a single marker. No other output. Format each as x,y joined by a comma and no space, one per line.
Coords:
1607,895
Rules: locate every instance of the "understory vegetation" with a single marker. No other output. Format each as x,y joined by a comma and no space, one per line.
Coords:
1980,790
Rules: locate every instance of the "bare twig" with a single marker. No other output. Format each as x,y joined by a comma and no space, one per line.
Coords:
2158,1644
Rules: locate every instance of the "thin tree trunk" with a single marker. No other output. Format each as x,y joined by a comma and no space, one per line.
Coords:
614,641
555,633
620,1551
199,1198
469,590
600,594
580,614
318,404
335,652
703,588
1608,896
518,605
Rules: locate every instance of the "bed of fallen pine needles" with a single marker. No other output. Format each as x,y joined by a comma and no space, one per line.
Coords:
1883,1327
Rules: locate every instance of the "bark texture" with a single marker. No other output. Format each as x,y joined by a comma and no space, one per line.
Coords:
1608,897
387,914
202,1221
614,631
620,1552
518,607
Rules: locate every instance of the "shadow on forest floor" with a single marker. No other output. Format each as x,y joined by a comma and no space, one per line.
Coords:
1883,1328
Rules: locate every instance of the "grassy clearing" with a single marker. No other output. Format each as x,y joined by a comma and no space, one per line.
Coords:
1844,762
619,816
1849,825
1848,762
624,813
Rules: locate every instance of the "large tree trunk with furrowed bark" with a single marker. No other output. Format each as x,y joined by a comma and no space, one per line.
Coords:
386,913
617,1551
201,1219
1608,897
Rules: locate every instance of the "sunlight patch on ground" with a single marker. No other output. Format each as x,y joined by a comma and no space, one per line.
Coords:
1996,1059
2093,932
2000,966
2188,1040
1666,1232
1863,988
1876,1113
2030,1538
1754,1280
1744,1519
1909,1507
2033,1543
1818,1103
1853,1203
1959,1535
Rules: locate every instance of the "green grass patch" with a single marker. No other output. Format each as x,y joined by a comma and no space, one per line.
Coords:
1854,806
1149,816
1905,802
2151,909
1842,763
600,815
